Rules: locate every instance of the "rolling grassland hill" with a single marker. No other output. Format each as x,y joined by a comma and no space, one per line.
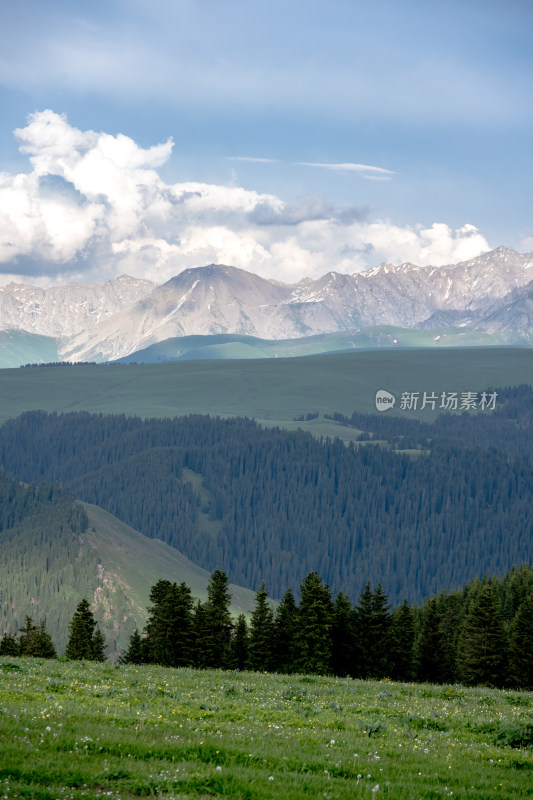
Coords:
55,551
275,390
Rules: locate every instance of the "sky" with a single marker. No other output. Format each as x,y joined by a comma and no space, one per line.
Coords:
286,138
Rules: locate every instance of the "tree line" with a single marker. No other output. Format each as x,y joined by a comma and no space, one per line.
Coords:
481,635
85,641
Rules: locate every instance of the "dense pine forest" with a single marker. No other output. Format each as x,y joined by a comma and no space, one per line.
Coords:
40,526
277,505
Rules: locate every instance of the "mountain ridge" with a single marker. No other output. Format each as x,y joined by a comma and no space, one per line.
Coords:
124,315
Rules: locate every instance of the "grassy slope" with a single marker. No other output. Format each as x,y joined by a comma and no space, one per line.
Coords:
119,566
20,347
237,346
79,730
133,563
266,389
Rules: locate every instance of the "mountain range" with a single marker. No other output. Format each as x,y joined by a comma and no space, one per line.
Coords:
491,296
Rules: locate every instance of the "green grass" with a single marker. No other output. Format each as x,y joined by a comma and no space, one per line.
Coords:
81,730
229,345
276,390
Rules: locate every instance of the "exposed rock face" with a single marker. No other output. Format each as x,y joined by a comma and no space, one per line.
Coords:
65,310
106,322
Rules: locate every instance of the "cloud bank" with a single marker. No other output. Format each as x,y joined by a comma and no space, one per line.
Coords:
94,205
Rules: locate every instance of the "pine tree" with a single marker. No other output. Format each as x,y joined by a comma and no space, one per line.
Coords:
9,646
203,655
219,625
342,636
285,629
402,643
81,643
521,645
363,634
451,612
239,644
98,645
483,646
169,626
380,635
260,656
41,645
135,654
315,619
429,645
26,636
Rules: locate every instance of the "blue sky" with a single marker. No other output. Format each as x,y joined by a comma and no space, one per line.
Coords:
307,136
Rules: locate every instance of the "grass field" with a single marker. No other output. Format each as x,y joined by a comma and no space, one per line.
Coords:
82,730
275,390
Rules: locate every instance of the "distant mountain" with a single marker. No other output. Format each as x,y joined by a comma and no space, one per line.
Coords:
65,310
487,294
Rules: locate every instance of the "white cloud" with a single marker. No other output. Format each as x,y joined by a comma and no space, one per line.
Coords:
365,170
94,205
254,160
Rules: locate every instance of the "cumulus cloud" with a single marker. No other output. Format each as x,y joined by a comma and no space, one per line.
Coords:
94,205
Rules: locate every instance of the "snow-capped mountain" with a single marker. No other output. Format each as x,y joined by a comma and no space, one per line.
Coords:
65,310
107,322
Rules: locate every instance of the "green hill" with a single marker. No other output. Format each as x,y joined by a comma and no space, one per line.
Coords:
20,347
271,389
234,346
56,551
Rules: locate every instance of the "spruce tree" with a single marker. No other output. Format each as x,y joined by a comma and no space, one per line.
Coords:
402,643
483,646
98,645
82,643
521,645
451,612
41,645
169,626
9,645
212,625
260,656
239,644
380,635
342,636
429,645
315,620
26,636
135,654
363,634
285,630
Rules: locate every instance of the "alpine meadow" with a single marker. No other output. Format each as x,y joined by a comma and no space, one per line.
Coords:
266,400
